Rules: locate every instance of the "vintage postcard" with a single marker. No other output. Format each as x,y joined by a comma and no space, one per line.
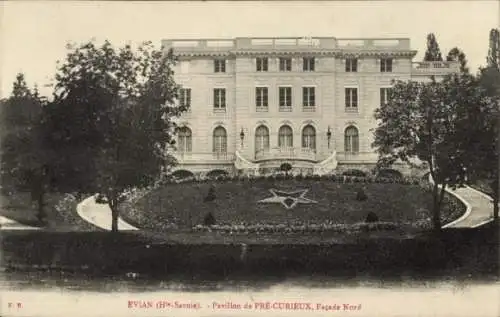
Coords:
243,158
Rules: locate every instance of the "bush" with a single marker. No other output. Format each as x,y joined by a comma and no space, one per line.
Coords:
182,174
354,172
361,195
101,199
217,173
390,173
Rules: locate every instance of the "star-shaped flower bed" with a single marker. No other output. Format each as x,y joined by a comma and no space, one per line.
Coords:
288,199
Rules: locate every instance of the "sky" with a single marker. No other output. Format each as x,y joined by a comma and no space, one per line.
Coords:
34,34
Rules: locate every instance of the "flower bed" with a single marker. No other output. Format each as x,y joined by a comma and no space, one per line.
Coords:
296,228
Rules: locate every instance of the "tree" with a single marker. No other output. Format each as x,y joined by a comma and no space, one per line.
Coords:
25,157
487,144
112,114
493,58
432,54
426,121
457,55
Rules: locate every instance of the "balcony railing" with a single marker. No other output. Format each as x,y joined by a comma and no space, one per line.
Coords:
435,67
285,109
196,157
286,153
285,43
358,157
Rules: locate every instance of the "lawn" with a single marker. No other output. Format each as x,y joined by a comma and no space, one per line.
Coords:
238,202
483,185
18,206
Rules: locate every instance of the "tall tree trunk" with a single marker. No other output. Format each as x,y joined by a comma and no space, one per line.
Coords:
436,208
38,195
41,215
113,205
495,207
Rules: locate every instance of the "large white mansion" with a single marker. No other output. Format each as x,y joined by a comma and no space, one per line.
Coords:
258,102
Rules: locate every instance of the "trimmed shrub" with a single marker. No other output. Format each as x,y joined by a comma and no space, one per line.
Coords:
361,195
209,220
354,172
211,195
371,217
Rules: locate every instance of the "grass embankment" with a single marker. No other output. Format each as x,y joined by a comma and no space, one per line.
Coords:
237,202
470,253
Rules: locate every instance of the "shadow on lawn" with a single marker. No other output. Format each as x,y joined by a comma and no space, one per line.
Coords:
127,258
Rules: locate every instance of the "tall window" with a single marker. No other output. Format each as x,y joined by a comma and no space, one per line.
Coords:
184,140
285,64
308,64
285,137
351,98
384,95
219,99
386,65
351,65
261,98
351,140
185,97
285,95
219,65
309,137
261,139
220,140
308,97
262,64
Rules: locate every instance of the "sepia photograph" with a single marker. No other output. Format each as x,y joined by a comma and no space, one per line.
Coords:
250,158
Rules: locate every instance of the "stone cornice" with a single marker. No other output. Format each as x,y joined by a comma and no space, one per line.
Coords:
277,53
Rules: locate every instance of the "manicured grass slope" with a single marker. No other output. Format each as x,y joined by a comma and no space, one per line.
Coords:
236,201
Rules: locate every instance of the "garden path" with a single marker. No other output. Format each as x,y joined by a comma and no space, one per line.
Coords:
99,215
479,208
479,211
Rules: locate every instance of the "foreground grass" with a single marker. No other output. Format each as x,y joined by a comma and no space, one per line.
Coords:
183,204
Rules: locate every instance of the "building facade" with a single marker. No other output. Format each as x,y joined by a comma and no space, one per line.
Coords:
255,103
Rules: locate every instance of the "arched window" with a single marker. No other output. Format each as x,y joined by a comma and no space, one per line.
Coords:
285,137
184,140
261,139
220,140
351,140
309,137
